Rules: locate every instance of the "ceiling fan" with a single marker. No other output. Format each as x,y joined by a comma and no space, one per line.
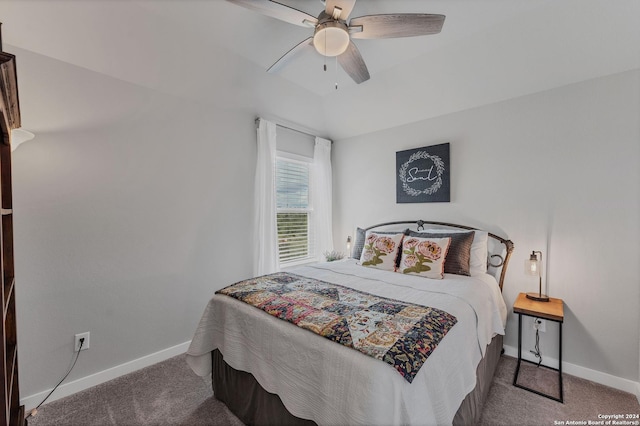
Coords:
334,31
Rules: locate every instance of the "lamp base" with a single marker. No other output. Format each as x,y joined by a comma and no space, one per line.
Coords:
538,297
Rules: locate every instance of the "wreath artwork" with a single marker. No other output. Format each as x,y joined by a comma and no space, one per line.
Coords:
410,177
423,174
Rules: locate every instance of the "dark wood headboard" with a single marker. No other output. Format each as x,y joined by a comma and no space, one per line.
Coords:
499,252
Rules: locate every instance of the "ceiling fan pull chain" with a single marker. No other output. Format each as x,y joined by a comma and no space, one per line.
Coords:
336,73
325,56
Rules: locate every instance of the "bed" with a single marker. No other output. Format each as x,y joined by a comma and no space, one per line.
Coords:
270,371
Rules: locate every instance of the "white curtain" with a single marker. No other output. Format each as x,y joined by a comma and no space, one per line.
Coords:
265,229
321,195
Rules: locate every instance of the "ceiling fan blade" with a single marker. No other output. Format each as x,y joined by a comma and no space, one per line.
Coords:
304,44
353,64
395,25
278,11
346,7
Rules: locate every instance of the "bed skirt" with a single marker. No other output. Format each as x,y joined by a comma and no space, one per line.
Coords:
244,396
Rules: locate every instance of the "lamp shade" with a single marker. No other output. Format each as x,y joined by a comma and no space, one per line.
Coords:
533,265
19,136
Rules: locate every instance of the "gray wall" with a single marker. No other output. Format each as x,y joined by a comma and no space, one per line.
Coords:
132,205
555,171
131,208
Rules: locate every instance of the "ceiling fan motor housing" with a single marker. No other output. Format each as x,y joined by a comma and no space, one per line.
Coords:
331,37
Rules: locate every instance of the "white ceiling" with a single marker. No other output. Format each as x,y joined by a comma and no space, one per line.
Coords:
488,50
263,39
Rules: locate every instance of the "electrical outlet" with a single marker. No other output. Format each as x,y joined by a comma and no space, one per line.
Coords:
85,343
540,325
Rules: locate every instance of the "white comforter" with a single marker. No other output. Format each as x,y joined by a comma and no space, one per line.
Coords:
334,385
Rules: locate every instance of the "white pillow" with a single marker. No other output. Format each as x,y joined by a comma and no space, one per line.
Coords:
424,256
381,250
479,253
479,249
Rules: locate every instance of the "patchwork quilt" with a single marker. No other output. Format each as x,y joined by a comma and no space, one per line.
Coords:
399,333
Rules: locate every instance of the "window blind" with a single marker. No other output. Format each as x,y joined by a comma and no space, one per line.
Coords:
293,210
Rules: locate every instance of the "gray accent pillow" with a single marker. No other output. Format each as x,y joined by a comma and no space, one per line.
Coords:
358,242
459,254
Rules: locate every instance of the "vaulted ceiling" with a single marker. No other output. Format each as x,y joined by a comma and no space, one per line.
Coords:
488,51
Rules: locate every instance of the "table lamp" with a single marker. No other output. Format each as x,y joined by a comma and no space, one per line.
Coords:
533,266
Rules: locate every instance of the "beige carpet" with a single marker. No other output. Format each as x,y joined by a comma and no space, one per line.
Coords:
168,393
583,400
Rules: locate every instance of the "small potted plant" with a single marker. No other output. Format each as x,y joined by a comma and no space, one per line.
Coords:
333,255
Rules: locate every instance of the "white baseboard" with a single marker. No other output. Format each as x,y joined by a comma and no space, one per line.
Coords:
582,372
83,383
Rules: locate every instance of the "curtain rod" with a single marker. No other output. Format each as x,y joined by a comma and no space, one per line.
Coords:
291,128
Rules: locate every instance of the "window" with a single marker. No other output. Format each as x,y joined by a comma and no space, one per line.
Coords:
294,214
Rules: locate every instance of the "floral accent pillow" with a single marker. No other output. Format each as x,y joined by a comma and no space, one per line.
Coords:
424,256
459,253
381,250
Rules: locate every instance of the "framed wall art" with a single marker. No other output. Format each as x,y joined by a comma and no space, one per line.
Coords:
422,175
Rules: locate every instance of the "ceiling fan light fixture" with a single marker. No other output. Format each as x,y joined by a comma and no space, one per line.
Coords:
331,38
